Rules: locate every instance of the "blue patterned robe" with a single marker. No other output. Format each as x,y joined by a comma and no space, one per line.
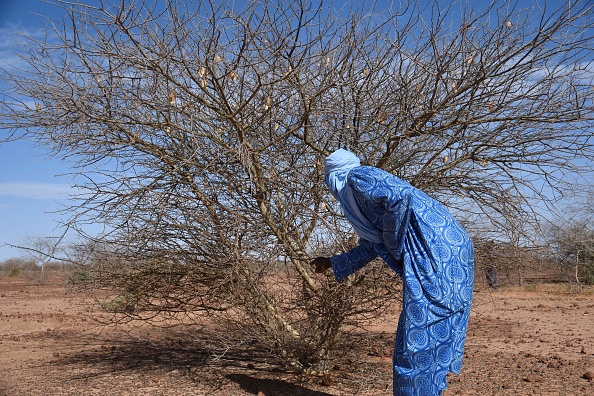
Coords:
425,245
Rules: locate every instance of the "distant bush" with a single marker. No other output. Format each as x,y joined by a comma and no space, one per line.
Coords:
15,265
54,265
587,272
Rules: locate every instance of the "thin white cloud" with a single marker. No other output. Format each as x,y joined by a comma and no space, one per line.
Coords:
15,36
36,190
16,39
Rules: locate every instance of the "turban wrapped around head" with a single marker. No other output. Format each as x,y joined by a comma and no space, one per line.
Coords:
336,169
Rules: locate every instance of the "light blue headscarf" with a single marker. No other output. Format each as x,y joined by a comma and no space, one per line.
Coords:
336,168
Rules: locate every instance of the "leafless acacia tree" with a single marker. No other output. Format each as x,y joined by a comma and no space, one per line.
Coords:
571,237
574,244
198,133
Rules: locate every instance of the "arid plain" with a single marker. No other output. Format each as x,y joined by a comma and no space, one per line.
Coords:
532,340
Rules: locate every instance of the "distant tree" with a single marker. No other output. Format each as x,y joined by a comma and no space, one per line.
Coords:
571,237
198,131
574,244
42,251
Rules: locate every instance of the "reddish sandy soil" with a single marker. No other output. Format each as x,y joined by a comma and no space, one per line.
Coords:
535,340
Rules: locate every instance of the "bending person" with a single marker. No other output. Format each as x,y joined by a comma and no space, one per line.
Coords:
420,240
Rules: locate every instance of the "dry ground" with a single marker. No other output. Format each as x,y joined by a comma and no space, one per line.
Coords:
534,340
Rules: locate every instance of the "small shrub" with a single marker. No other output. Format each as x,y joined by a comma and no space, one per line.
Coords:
120,304
80,277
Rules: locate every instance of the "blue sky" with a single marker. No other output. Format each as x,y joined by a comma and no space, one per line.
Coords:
30,185
31,188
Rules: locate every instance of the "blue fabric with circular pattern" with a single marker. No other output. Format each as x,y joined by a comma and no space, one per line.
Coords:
433,254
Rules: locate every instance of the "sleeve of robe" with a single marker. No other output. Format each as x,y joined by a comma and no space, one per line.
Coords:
349,262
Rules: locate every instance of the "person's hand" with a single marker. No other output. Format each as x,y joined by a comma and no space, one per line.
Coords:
321,264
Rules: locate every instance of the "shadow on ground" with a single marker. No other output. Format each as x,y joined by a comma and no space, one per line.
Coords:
171,353
247,366
272,387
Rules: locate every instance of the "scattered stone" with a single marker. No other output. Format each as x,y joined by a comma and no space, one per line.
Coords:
589,375
327,381
261,393
250,366
56,354
532,378
554,365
